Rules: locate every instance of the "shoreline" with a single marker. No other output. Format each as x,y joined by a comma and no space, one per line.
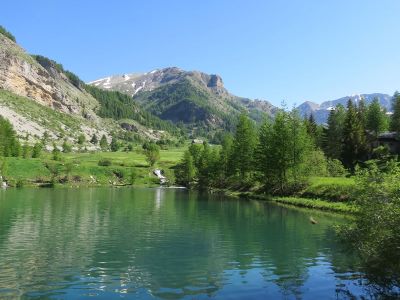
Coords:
308,203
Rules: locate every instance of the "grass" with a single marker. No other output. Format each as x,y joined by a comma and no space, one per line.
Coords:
336,189
83,168
317,204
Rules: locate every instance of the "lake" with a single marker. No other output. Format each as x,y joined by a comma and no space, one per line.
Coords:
111,243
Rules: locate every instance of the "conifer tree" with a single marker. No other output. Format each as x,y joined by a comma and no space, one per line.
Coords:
395,119
333,146
187,168
114,146
37,150
376,119
282,148
362,112
225,168
354,141
312,128
9,143
94,139
243,147
103,143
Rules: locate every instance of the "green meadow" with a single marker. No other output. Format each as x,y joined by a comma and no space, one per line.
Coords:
83,168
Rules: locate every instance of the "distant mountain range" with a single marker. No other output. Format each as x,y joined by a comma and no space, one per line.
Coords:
321,111
192,96
37,95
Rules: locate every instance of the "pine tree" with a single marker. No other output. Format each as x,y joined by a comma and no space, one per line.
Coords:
283,146
37,150
56,152
333,144
114,146
152,153
94,139
243,147
312,128
225,168
354,140
188,170
103,143
9,143
66,147
395,119
376,118
25,150
81,139
362,112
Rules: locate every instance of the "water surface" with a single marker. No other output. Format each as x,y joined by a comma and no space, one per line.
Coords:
169,244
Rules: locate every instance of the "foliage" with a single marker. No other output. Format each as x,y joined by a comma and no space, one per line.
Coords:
376,119
317,204
81,139
94,139
244,143
66,147
133,176
152,153
56,153
282,151
114,145
354,140
118,106
6,33
333,146
103,143
104,162
37,150
9,144
186,170
395,120
335,168
374,232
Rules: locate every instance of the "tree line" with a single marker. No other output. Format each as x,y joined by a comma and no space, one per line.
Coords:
282,153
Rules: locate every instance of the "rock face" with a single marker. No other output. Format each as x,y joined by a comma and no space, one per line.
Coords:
23,76
38,98
134,83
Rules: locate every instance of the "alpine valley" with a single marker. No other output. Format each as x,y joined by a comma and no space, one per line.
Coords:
38,96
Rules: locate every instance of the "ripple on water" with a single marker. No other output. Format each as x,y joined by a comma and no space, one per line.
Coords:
170,244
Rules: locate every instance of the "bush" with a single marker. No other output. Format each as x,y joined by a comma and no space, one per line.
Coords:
336,168
104,162
20,183
7,33
375,231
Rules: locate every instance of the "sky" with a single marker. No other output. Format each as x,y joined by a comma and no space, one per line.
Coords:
284,50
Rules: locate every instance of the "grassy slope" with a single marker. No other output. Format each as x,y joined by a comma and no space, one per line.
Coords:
336,189
317,204
85,165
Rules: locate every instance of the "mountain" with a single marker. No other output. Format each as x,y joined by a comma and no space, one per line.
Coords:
321,111
197,100
37,95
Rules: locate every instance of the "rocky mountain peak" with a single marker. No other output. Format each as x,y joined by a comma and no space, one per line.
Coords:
215,82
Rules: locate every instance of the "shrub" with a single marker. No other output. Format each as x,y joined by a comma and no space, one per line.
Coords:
20,183
104,162
336,168
7,33
375,231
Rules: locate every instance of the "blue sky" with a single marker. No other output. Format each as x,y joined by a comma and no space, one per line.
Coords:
274,50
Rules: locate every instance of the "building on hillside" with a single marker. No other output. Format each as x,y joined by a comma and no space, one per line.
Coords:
389,139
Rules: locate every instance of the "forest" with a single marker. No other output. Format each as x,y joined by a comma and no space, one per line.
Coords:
280,157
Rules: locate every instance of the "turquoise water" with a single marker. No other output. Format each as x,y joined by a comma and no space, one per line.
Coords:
113,243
